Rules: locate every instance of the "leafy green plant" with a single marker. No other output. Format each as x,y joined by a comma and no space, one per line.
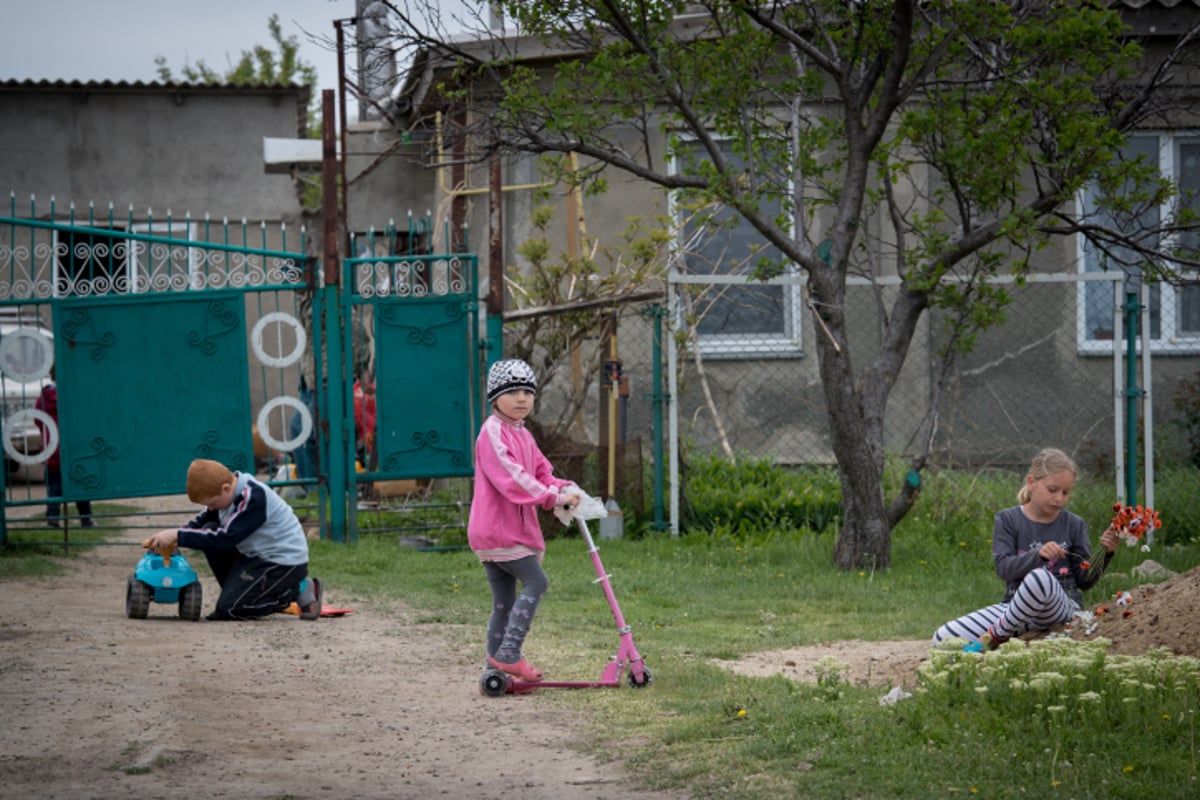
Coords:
1175,493
752,495
1187,402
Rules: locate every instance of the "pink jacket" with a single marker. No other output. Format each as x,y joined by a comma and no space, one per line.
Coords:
511,478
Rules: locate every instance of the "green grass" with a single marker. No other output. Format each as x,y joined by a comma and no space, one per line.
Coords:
36,550
703,730
694,599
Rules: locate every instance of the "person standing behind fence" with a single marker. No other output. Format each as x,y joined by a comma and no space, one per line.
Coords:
47,402
512,479
1043,554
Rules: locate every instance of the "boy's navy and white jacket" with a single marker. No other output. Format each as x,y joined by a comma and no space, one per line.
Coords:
257,523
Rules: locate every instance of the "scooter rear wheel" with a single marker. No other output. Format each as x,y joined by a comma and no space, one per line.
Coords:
494,683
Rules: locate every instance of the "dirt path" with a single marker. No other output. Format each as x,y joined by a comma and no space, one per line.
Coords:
96,705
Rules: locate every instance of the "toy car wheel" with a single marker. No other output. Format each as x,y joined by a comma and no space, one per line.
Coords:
137,599
190,600
645,681
494,683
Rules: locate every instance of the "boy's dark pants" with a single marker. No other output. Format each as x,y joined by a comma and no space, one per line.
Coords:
252,587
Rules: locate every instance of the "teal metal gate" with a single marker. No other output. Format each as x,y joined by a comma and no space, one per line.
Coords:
423,351
172,339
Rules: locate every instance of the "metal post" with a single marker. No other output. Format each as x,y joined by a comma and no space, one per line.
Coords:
495,289
343,200
1118,394
658,399
333,419
493,305
1147,410
1132,393
672,392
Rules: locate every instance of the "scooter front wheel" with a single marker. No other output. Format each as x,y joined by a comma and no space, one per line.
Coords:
645,681
494,683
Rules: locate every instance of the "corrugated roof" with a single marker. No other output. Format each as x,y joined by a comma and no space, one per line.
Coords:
148,86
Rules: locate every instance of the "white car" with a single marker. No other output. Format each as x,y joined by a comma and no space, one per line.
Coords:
26,356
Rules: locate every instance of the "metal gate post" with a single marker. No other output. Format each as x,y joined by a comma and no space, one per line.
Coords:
333,423
1132,393
658,399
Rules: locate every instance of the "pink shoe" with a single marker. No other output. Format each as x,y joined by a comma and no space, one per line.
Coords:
521,669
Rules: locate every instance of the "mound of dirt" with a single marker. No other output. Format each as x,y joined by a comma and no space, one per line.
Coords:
1159,615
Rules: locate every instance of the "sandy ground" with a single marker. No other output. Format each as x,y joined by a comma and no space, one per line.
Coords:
883,665
96,705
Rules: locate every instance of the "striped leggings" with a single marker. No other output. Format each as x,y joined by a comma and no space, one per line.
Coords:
1039,603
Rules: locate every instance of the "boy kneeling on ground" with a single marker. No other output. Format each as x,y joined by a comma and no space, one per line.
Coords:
253,542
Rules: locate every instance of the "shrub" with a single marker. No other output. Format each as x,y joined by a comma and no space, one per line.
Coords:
1187,402
759,494
1175,492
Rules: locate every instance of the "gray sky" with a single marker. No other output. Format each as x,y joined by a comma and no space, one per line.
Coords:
117,40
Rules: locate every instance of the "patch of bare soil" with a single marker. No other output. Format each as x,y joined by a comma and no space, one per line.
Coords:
883,664
1160,615
96,705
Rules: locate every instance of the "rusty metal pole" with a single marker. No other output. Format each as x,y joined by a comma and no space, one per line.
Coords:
495,293
332,421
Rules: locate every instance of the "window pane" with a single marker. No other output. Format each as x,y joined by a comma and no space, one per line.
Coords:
1188,176
1098,297
1188,321
724,243
1187,312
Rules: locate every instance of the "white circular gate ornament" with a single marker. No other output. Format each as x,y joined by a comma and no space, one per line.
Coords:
282,318
26,355
264,426
24,420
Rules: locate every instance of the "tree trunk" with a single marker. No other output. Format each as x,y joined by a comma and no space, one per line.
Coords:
864,540
856,406
855,415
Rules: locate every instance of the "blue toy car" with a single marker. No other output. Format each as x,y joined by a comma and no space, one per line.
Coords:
163,580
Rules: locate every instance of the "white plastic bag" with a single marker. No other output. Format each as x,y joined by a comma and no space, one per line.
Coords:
588,507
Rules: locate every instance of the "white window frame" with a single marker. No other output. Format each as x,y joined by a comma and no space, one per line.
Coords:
787,342
195,256
1165,299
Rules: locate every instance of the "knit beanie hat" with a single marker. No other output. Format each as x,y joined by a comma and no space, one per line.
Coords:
508,376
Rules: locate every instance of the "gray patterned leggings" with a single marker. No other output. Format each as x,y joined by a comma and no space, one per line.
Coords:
512,615
1039,604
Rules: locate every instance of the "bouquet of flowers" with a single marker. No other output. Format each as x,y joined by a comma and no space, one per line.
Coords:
1132,522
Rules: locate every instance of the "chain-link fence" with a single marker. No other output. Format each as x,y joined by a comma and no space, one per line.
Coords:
1047,374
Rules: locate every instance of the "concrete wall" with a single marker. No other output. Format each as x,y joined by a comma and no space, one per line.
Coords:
183,148
387,177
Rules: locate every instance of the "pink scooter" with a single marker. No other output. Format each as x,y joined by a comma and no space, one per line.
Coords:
495,683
